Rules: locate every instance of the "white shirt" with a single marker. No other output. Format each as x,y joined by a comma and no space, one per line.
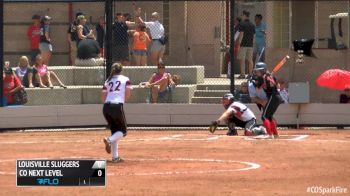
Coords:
241,111
156,29
285,95
116,89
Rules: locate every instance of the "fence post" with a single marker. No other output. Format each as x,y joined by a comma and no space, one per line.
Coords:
1,52
108,41
232,46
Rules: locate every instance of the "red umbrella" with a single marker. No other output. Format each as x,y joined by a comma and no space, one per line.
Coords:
335,79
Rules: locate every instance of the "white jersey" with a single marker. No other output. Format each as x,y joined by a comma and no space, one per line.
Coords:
241,111
116,89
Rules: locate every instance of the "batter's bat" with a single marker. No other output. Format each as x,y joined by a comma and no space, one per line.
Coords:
280,64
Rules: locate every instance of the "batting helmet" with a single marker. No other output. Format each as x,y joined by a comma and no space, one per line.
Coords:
260,66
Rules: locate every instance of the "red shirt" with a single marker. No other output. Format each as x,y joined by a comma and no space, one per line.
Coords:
10,83
33,34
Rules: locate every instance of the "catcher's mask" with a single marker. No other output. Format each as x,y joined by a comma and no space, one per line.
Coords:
227,100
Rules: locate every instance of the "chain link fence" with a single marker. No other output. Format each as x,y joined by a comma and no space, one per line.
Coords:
196,37
322,24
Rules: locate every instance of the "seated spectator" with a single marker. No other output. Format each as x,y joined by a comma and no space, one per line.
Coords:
43,75
243,95
345,97
89,53
25,73
282,88
11,85
161,84
141,41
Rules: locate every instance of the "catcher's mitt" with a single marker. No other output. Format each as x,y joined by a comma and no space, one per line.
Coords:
213,126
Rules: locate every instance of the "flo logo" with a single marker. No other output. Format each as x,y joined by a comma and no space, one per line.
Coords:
48,181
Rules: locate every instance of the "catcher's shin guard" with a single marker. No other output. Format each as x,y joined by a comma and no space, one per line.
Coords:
231,129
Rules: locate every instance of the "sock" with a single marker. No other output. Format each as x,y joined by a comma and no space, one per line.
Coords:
267,125
274,127
116,136
114,148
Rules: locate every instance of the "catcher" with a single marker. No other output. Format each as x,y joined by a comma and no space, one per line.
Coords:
237,114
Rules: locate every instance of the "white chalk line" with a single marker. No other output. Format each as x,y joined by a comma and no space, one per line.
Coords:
249,166
166,138
295,138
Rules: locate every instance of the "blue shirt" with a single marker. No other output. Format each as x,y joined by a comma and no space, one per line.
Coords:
255,92
260,34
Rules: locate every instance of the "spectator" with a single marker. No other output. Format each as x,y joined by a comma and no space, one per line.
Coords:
161,84
89,53
33,35
345,97
72,36
227,55
243,95
141,41
121,39
43,75
83,30
25,73
282,88
45,45
100,30
260,37
245,43
157,47
11,85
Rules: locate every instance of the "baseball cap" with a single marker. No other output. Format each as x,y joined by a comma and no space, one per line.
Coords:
46,17
36,16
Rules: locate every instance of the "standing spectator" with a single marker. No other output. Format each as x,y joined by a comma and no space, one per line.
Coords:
100,30
33,35
245,43
157,47
72,36
45,45
89,53
25,73
141,41
161,84
282,88
83,30
243,95
260,39
11,85
121,39
345,97
43,75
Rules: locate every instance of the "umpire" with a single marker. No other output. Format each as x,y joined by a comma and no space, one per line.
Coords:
116,91
263,91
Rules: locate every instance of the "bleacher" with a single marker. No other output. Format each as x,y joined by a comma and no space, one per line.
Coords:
85,84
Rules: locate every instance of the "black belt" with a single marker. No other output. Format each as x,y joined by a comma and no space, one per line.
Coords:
111,103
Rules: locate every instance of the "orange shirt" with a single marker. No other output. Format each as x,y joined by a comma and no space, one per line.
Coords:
141,40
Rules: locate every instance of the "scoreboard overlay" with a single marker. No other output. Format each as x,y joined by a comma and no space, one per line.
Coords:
61,172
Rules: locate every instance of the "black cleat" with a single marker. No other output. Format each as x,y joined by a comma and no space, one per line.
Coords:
232,133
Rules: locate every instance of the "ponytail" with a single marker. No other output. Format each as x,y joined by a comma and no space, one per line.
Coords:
116,69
